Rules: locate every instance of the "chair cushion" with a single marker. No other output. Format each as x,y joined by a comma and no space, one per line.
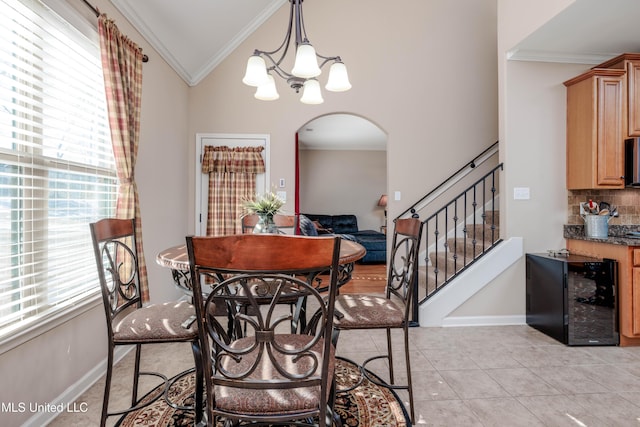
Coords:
272,401
361,311
156,323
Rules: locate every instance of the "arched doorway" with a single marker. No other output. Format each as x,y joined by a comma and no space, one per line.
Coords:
341,168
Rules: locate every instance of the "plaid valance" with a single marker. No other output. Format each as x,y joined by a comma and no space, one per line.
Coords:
223,159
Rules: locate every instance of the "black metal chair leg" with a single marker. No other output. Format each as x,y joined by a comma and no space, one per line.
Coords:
107,389
136,376
199,393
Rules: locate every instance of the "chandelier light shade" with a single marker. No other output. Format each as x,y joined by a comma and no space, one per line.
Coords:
306,65
338,78
267,91
256,73
311,93
263,65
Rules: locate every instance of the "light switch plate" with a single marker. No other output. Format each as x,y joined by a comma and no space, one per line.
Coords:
521,193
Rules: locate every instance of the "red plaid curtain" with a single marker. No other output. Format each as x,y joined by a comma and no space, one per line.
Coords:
232,178
122,69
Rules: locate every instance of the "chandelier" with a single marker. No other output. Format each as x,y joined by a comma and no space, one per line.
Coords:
305,69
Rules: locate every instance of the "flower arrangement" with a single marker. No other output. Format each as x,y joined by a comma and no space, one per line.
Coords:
267,204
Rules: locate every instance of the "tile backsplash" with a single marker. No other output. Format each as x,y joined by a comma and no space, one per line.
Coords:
627,201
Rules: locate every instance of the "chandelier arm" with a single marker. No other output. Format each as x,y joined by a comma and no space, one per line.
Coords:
327,59
280,72
285,43
300,28
257,74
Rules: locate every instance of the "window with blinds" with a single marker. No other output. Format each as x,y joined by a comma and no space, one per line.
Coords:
57,171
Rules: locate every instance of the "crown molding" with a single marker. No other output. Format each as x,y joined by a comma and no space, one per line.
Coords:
561,57
193,77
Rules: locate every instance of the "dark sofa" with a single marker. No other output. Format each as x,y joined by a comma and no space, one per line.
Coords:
373,241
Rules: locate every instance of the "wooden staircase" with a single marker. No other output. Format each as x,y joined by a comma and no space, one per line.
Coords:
452,256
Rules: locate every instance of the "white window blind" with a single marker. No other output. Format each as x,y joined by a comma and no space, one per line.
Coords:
56,164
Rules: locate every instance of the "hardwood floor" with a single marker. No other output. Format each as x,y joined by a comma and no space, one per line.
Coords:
366,278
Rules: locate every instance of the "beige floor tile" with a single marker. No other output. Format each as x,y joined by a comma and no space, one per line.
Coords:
502,412
463,376
445,413
569,380
473,384
614,377
521,382
557,411
612,408
431,386
493,358
449,358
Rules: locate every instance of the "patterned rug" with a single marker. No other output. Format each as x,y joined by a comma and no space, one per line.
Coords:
368,405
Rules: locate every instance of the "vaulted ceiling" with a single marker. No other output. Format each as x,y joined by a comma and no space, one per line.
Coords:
194,36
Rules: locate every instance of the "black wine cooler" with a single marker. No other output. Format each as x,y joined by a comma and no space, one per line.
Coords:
572,298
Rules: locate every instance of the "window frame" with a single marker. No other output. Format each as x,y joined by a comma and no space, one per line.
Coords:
84,301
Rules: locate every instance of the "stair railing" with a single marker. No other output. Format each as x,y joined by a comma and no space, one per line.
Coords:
442,188
460,230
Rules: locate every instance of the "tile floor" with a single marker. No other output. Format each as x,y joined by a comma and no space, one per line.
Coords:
475,376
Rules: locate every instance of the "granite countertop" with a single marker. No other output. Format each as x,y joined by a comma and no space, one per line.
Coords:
617,234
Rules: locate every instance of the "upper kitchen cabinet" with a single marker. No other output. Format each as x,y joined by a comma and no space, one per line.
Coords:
596,109
630,62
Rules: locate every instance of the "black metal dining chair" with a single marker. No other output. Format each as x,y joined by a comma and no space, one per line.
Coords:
392,311
131,323
272,373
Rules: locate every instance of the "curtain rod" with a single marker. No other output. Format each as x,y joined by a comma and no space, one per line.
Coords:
95,10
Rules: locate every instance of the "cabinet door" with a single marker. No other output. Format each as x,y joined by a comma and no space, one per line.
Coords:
635,292
610,140
633,102
596,124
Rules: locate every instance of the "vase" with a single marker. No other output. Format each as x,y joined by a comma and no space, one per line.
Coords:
265,225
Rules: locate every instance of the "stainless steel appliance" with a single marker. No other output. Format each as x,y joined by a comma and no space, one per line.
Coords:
632,162
572,298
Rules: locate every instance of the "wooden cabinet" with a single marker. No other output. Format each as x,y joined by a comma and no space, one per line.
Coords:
635,291
628,258
630,63
596,117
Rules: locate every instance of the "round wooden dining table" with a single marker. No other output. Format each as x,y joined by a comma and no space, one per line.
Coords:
177,260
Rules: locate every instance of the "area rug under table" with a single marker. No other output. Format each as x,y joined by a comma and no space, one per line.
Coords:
368,405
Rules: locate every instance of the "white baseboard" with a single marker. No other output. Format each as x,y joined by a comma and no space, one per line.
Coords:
485,320
437,309
72,393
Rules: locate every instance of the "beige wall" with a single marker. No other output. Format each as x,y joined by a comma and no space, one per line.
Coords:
532,147
425,73
344,182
